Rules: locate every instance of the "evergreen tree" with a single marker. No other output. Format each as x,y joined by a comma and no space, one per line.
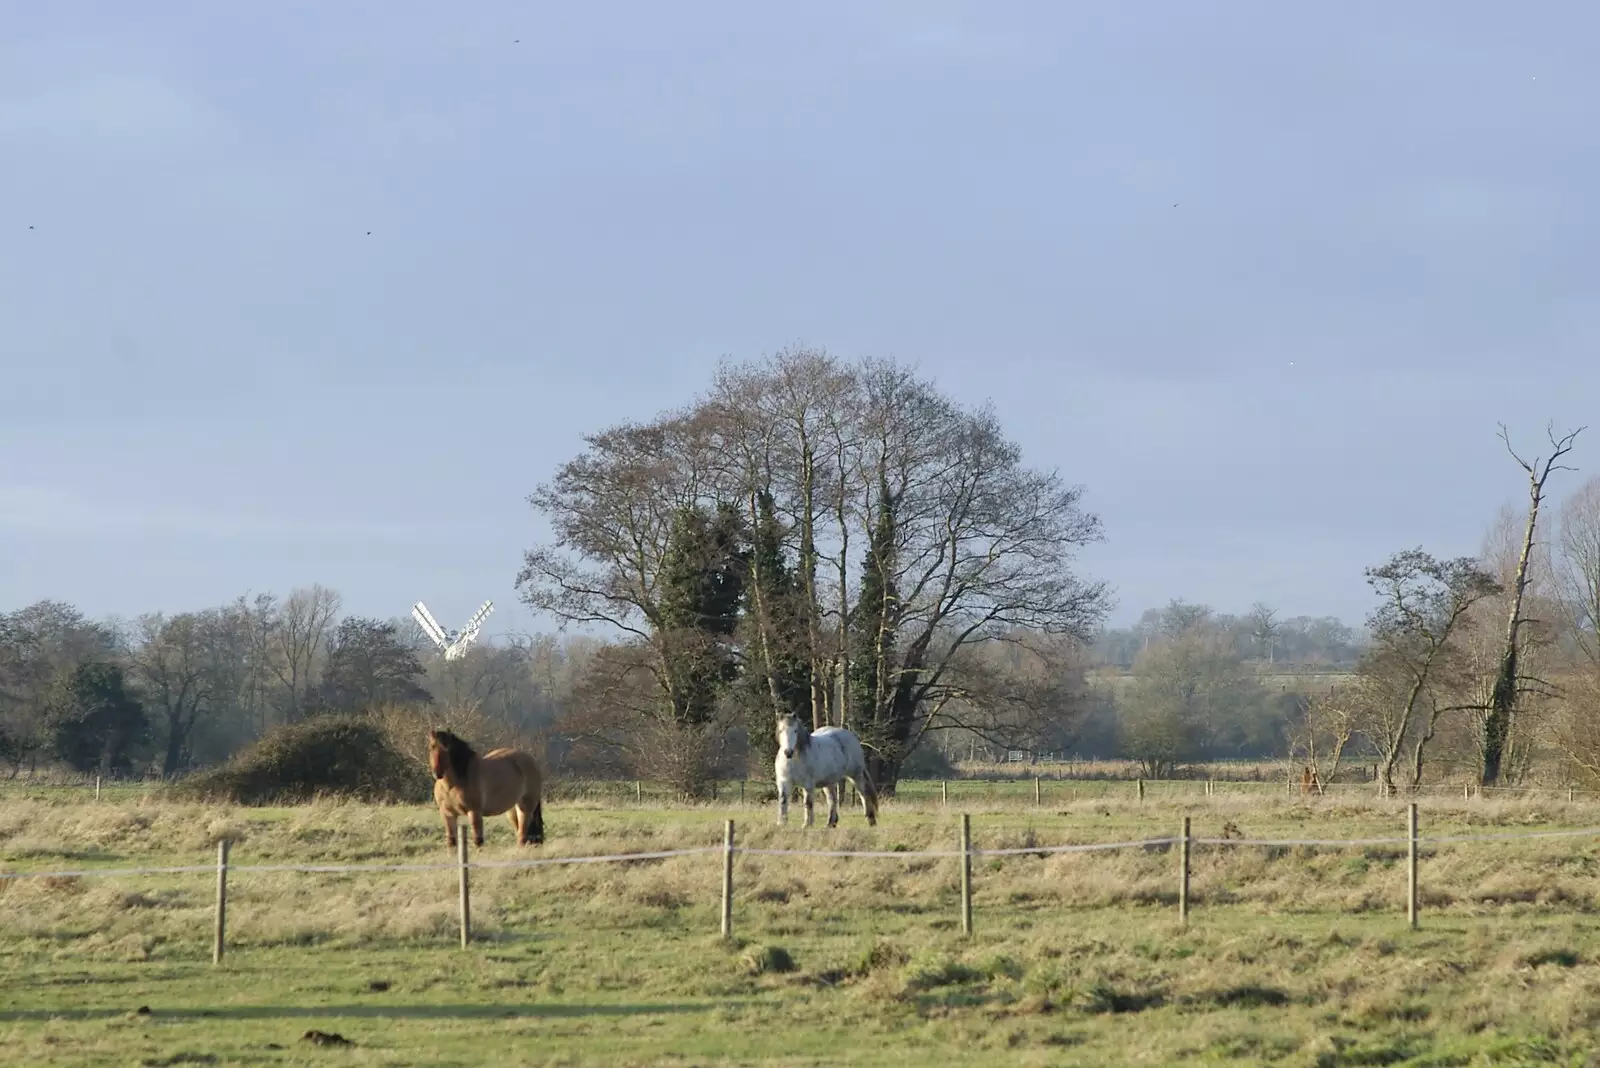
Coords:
698,609
94,723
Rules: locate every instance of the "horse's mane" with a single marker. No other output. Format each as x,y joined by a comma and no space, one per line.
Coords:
457,752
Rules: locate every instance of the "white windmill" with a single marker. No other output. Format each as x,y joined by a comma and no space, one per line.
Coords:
452,643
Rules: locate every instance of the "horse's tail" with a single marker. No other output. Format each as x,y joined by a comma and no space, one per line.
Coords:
869,798
869,792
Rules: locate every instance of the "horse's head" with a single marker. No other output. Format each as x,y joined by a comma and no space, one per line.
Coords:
792,735
448,754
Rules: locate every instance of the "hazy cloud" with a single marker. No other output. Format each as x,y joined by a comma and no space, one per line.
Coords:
117,111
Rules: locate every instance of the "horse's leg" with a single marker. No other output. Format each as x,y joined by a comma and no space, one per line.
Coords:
532,810
477,829
449,828
514,814
810,816
783,801
833,790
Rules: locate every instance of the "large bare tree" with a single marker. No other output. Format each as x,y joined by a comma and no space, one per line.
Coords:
176,676
617,512
297,643
886,491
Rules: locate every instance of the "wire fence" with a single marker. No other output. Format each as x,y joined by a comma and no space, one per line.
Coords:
966,853
1040,789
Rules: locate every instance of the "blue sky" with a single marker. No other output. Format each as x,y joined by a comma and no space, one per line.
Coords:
1262,276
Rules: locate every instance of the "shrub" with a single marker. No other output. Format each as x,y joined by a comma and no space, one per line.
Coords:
326,756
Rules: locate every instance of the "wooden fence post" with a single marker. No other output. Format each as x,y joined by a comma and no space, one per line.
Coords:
466,894
1569,794
219,931
944,798
741,791
966,874
727,880
1183,875
1141,789
97,787
1036,789
638,792
1411,865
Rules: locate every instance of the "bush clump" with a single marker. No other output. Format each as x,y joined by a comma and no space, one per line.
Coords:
321,757
763,960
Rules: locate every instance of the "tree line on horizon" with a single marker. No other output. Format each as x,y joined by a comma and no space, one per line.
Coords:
846,543
163,694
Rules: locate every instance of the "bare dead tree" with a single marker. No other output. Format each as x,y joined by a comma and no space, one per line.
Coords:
1475,669
1503,701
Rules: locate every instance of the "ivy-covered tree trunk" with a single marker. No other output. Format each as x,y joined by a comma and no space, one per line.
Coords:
883,700
1497,724
807,583
1503,698
778,674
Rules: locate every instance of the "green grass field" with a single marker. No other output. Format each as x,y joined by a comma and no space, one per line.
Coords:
1294,956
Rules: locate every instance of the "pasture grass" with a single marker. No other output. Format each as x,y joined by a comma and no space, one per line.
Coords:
1295,956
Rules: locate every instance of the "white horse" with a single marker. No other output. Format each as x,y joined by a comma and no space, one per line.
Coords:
826,758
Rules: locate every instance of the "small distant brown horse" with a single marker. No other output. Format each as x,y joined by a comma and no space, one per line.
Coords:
503,780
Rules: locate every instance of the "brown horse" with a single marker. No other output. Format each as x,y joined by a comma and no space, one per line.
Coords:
503,780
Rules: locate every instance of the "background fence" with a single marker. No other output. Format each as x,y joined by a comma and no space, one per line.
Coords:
964,851
1040,789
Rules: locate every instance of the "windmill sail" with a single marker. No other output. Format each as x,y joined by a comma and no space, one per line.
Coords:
429,625
452,643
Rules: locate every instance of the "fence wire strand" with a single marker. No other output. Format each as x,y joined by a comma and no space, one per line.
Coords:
663,854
